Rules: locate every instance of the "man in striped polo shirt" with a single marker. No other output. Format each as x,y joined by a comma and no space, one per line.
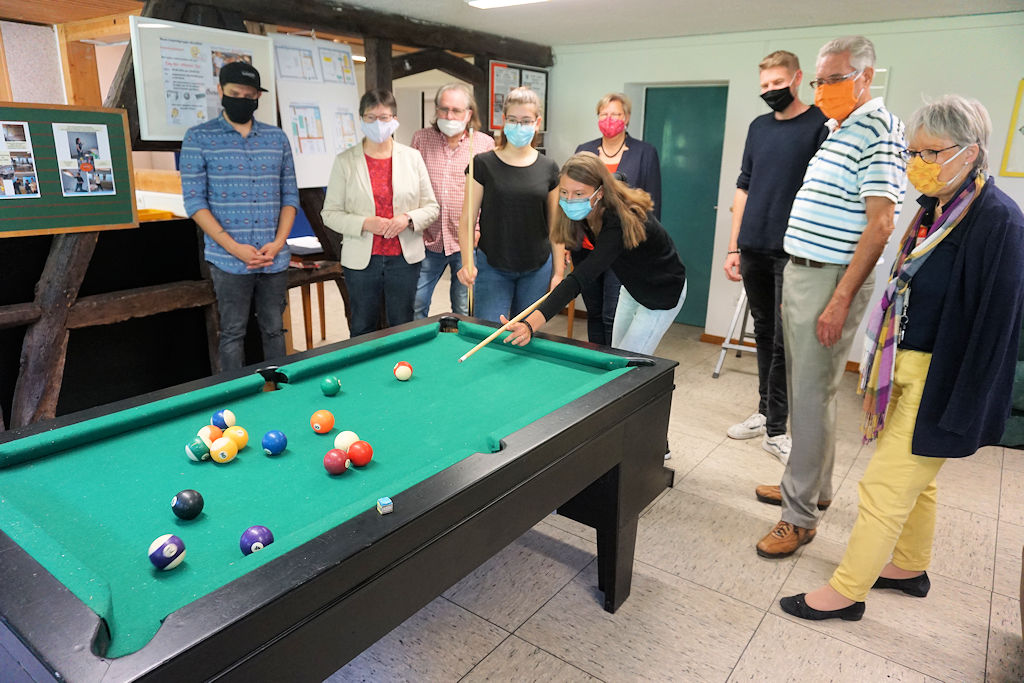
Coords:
238,182
841,219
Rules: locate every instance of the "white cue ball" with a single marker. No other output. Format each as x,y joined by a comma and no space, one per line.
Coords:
345,439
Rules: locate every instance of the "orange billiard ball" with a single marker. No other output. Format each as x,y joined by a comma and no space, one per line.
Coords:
322,421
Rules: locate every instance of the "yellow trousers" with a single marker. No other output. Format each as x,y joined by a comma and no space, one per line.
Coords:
896,514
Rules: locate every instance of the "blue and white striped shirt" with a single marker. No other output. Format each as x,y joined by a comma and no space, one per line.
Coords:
861,159
244,182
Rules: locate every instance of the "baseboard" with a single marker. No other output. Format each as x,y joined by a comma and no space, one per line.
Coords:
717,341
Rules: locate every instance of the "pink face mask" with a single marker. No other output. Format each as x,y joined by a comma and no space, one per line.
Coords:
611,127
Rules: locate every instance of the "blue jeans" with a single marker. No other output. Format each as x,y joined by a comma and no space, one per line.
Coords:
235,296
499,292
390,278
431,269
638,328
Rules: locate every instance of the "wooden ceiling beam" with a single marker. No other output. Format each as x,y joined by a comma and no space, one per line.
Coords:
112,26
426,60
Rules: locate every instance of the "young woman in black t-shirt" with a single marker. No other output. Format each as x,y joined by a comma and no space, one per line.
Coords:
514,190
627,239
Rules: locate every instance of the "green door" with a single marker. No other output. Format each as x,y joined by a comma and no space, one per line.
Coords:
687,126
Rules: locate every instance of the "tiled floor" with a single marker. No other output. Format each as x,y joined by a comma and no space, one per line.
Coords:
704,606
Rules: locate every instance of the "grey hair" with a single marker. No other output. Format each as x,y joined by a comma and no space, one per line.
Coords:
963,120
862,51
461,87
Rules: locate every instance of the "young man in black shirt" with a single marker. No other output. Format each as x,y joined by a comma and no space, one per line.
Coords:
779,146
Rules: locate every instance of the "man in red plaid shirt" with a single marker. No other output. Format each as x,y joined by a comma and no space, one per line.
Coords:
445,148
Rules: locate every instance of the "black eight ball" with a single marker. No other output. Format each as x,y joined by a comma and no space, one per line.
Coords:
187,504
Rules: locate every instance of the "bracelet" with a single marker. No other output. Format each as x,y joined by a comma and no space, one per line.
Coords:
528,326
736,251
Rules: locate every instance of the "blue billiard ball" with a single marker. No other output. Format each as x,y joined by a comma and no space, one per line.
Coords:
223,419
255,538
274,442
167,552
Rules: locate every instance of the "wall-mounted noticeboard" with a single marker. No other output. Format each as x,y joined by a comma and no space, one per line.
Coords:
64,169
176,73
503,77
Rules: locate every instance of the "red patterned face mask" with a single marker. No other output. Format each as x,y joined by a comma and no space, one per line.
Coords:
611,127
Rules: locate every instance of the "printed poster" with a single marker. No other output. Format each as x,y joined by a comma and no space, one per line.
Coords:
18,179
295,63
190,72
337,66
83,159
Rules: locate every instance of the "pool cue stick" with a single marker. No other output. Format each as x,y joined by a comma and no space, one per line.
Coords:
468,259
527,311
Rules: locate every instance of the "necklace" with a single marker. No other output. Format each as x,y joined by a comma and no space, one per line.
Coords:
612,156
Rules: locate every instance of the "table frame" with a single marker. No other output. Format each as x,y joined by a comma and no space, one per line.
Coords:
598,460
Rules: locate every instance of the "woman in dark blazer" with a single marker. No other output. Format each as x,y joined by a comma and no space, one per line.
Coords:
637,163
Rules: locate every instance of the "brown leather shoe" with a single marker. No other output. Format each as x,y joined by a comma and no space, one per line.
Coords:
773,496
783,540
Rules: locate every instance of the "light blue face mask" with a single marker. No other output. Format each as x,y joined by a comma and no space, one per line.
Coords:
577,209
518,134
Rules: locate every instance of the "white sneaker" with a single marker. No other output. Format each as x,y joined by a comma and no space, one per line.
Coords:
749,428
779,446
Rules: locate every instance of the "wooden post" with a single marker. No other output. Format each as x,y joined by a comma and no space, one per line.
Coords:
378,63
46,341
81,78
5,95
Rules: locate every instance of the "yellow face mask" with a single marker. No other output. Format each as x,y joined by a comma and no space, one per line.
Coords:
925,176
836,100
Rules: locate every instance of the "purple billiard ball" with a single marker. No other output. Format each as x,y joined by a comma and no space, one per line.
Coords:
255,538
274,442
167,552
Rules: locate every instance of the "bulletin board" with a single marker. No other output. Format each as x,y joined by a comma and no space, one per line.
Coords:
64,169
503,77
176,74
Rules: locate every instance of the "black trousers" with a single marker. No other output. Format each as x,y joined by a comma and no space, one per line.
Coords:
762,280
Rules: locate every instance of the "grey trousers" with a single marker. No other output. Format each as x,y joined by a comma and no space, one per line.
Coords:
813,373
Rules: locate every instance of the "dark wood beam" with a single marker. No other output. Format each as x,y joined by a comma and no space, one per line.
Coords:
442,60
115,307
18,315
377,71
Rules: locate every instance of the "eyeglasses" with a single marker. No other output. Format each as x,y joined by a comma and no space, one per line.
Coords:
521,122
445,111
928,156
383,118
615,115
832,80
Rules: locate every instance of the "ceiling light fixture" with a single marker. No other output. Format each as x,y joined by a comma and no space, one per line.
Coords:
491,4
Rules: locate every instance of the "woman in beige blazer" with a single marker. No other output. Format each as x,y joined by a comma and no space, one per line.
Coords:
380,199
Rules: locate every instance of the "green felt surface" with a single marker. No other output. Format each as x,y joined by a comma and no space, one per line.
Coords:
94,497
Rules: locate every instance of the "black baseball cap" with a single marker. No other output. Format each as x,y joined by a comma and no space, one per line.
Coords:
240,73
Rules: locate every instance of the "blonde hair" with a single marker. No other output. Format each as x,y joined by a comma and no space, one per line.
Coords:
621,98
630,204
517,96
781,58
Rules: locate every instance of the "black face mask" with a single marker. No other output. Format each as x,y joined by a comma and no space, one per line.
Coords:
239,109
779,99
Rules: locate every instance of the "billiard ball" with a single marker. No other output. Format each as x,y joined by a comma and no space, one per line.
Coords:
403,371
322,421
209,434
223,450
330,386
223,419
274,442
255,538
345,439
187,504
336,461
238,435
167,552
360,453
197,450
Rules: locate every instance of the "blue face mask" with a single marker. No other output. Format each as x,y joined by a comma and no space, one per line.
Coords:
576,209
517,134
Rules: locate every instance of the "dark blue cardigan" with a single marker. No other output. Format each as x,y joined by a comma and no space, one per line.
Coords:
639,163
968,390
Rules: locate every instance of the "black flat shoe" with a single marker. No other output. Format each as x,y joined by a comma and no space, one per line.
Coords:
798,607
917,586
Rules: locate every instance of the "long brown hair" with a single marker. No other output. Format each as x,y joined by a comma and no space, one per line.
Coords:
630,204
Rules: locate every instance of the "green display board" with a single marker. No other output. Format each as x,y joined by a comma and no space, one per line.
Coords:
64,169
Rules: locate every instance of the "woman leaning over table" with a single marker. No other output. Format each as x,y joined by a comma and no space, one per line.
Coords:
514,190
629,241
380,199
939,367
638,164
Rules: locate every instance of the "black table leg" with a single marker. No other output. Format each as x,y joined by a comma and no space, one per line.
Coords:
615,547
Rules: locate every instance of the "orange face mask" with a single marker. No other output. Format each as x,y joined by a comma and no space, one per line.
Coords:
836,100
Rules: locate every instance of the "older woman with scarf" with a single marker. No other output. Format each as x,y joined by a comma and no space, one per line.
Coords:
937,376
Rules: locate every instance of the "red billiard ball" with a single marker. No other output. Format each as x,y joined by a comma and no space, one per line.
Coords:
403,371
322,421
336,461
360,453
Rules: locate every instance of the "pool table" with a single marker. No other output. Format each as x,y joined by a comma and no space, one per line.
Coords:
472,455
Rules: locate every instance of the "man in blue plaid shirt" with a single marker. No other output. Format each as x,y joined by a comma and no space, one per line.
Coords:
238,182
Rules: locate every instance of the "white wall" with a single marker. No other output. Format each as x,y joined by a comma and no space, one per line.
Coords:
980,57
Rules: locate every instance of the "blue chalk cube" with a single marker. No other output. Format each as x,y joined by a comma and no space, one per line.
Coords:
384,505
